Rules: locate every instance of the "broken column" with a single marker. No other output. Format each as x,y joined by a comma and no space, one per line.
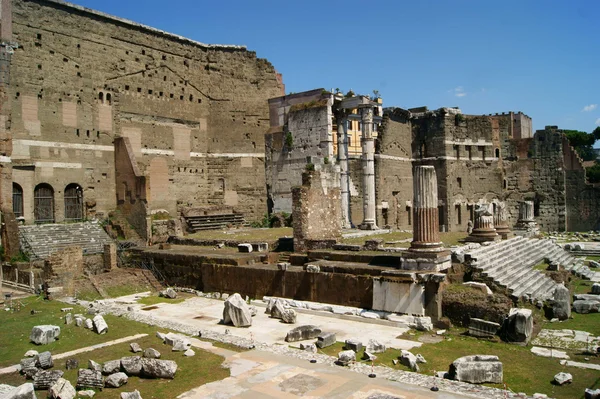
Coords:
501,221
484,225
368,160
426,251
342,150
526,225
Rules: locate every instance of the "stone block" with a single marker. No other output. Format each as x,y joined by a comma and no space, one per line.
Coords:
62,389
135,347
25,391
354,345
586,306
260,247
152,353
87,378
563,378
312,268
480,286
68,318
71,364
289,316
477,369
592,393
309,348
111,367
42,335
482,328
131,395
236,312
561,305
374,346
46,378
326,339
245,248
596,288
132,365
92,365
44,360
283,266
100,325
302,333
409,360
116,380
156,368
168,293
518,326
346,357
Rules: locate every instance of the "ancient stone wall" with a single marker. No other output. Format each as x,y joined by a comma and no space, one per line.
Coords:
316,212
195,114
63,267
393,171
301,133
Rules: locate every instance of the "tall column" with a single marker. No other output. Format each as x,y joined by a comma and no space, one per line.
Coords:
426,252
342,153
426,234
368,160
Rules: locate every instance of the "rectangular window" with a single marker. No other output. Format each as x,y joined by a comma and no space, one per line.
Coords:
459,182
457,151
409,215
458,209
468,148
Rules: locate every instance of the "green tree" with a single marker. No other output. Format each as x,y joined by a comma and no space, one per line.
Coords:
583,142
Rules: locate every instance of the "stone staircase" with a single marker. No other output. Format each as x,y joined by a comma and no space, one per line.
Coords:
510,264
44,239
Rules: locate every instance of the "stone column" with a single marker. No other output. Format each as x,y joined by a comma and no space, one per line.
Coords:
426,234
501,221
526,212
368,160
342,153
484,225
426,251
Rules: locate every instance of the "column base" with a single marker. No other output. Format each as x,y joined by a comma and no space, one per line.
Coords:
432,260
505,232
368,225
483,235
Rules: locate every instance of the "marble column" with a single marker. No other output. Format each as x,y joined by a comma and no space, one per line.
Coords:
501,221
426,234
342,153
368,160
526,212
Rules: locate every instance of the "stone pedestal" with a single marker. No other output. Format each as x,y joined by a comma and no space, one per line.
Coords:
426,251
501,221
368,159
484,225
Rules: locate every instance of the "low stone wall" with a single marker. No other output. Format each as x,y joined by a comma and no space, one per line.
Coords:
256,280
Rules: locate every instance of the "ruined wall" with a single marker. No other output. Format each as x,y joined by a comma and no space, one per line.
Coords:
316,210
194,113
393,171
63,267
307,119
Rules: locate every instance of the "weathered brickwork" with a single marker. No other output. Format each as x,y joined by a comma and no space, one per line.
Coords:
194,114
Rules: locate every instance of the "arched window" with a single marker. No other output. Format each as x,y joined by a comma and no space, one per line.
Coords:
108,98
497,152
73,202
101,97
43,203
17,200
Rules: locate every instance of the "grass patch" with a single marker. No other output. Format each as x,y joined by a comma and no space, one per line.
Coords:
580,286
452,238
386,237
15,328
542,266
523,371
192,371
244,234
583,322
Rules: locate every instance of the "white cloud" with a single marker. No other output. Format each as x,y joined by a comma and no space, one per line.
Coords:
589,108
459,91
598,121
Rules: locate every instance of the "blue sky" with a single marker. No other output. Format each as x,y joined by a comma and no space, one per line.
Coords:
539,57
